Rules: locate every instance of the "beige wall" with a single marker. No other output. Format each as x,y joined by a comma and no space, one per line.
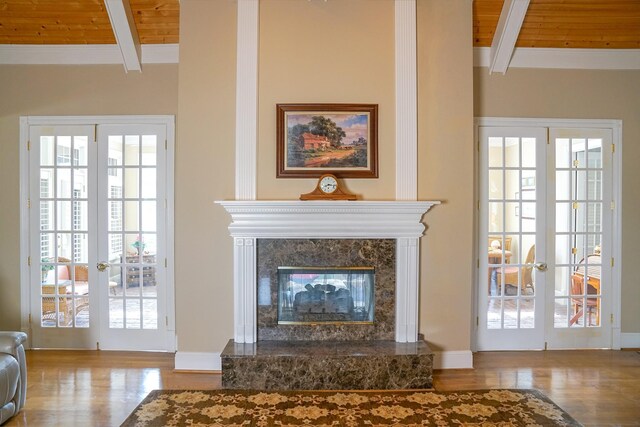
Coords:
326,52
205,164
62,90
352,63
581,94
445,158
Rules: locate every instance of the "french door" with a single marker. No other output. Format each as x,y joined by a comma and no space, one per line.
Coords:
98,232
545,238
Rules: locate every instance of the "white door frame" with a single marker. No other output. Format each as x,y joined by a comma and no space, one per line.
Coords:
616,238
25,122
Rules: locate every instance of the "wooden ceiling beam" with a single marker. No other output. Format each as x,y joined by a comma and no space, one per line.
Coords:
126,34
507,31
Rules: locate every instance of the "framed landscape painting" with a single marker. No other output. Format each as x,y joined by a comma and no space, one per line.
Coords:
314,139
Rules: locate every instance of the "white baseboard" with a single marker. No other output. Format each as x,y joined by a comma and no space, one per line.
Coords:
630,340
452,359
192,361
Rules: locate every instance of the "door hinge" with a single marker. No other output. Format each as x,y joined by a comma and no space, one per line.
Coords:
612,262
28,145
95,133
611,317
166,321
29,261
478,262
165,263
166,144
477,320
478,144
613,148
97,345
478,204
545,345
613,205
29,203
29,318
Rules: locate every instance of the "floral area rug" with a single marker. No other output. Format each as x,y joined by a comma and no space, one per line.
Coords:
354,408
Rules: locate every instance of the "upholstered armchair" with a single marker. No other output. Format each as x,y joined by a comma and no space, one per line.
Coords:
13,374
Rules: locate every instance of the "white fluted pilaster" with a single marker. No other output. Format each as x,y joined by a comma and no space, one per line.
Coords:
244,295
406,101
407,280
247,99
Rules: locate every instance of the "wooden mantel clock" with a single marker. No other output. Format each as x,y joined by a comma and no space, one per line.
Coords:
328,188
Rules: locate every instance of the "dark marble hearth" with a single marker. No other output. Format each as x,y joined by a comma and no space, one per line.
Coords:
327,365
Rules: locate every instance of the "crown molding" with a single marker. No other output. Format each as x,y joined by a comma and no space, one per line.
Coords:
561,58
12,54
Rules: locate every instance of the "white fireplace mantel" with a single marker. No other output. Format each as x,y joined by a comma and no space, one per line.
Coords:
254,219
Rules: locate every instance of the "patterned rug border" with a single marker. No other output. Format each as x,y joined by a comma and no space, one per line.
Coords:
559,416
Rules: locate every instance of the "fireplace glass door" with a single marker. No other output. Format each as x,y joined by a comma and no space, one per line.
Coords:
325,295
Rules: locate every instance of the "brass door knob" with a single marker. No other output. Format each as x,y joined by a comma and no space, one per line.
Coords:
102,266
540,266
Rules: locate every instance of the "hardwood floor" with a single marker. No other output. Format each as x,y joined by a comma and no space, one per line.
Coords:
91,388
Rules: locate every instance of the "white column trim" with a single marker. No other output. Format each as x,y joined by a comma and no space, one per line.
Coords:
406,101
247,99
244,295
407,284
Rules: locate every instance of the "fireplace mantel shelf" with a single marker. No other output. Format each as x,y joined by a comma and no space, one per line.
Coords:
326,219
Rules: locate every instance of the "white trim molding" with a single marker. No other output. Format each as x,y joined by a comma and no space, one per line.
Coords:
453,359
560,58
11,54
247,99
406,101
291,219
323,220
195,361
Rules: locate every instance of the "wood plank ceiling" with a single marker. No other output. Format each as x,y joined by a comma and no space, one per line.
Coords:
84,21
593,24
548,23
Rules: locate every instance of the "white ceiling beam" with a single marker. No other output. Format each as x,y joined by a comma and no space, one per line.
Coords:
124,28
506,35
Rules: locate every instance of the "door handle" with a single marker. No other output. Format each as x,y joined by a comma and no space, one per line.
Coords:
540,266
102,266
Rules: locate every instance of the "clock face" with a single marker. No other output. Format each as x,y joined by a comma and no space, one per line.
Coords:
328,184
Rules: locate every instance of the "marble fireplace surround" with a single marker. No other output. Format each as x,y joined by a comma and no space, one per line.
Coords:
261,219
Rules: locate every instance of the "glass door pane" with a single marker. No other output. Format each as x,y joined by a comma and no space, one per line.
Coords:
581,236
132,231
61,189
133,192
510,295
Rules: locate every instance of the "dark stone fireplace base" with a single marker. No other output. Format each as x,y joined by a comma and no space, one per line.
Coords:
327,365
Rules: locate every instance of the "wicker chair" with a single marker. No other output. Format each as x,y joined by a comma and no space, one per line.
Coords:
67,284
511,273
